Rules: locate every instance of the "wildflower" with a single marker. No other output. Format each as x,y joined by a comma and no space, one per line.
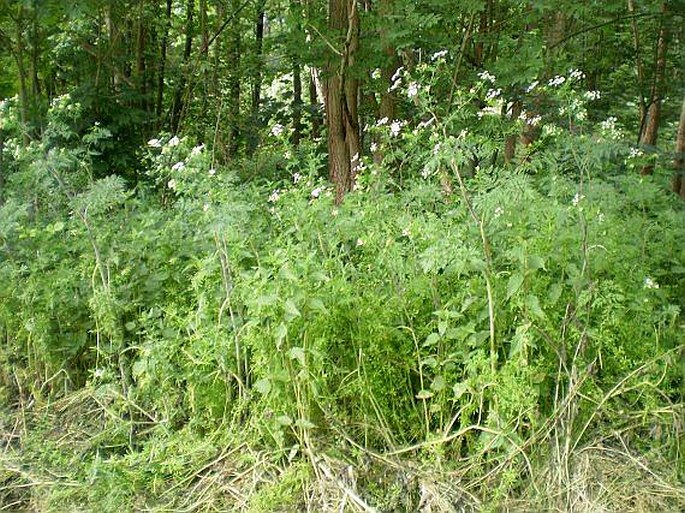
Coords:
360,242
635,152
205,207
534,121
212,172
439,55
498,212
381,121
376,74
493,93
99,373
395,128
557,81
650,283
154,143
406,232
592,95
373,147
171,184
174,141
413,90
274,196
197,150
532,86
576,74
317,192
179,166
425,172
277,130
577,199
436,148
486,76
297,177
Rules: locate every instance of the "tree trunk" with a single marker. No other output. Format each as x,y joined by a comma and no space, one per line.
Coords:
162,63
234,81
297,104
178,104
341,97
678,182
650,129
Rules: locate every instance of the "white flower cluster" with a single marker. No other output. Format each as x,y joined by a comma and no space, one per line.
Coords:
277,130
576,74
413,90
492,94
556,81
486,76
635,152
396,79
439,55
649,283
592,95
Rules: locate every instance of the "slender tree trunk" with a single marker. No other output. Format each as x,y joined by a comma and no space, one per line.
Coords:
297,104
234,57
179,103
678,182
162,63
314,105
650,130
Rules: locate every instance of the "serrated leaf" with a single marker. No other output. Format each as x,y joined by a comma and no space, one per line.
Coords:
438,384
284,420
291,311
297,353
459,389
534,262
533,304
554,293
280,333
263,386
317,305
429,362
431,339
514,284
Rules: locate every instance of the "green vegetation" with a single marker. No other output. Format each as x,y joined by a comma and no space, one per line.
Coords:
454,283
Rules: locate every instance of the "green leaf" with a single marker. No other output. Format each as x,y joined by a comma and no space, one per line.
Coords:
459,389
291,311
534,262
280,333
431,339
317,305
263,386
284,420
438,384
297,353
514,284
533,304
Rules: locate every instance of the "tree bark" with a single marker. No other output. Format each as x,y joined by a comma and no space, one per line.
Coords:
234,57
162,63
342,91
650,130
179,104
678,181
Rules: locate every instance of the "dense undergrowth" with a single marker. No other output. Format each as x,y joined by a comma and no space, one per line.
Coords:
202,341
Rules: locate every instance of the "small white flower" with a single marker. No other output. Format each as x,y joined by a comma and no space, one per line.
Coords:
635,152
557,81
360,242
97,123
425,172
174,141
439,55
317,192
212,172
287,155
577,199
576,74
395,128
532,86
374,147
277,130
436,148
413,90
593,95
99,373
534,121
381,122
406,232
154,143
171,184
650,283
297,177
486,76
498,212
205,207
179,166
376,74
274,196
197,150
493,93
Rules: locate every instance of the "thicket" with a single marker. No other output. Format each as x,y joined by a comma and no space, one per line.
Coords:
342,256
458,334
